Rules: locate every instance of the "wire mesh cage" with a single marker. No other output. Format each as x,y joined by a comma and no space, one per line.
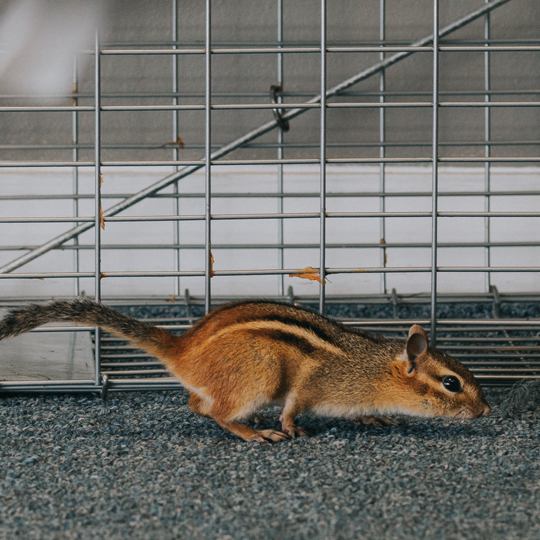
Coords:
375,161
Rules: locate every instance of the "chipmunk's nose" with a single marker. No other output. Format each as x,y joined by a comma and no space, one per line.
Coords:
486,410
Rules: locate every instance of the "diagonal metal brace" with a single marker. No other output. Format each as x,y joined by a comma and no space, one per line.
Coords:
265,128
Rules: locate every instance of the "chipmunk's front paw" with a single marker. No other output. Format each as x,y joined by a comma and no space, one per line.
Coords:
375,421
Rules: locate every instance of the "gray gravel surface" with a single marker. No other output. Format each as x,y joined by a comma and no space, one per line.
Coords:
143,466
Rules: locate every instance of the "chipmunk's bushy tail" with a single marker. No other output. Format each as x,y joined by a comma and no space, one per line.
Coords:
154,340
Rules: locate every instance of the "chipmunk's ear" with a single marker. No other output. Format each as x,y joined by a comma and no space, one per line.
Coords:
417,344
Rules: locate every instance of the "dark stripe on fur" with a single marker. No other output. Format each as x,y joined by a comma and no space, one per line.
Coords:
321,333
288,338
326,329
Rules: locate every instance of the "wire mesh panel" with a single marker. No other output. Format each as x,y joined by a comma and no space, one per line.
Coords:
344,155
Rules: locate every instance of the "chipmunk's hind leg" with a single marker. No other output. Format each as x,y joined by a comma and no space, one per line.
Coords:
293,407
224,413
197,405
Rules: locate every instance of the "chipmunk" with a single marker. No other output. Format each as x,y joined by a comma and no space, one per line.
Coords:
246,355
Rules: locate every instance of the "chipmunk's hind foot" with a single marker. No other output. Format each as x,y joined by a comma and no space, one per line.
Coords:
264,436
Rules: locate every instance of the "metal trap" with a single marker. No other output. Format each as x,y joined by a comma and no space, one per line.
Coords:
381,161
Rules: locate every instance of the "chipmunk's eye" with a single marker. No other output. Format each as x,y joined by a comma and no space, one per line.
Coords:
451,383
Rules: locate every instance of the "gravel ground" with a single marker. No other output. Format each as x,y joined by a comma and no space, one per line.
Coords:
143,466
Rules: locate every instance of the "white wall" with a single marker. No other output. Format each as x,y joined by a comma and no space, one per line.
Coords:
341,179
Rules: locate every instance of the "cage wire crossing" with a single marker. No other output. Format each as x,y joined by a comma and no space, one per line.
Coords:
308,171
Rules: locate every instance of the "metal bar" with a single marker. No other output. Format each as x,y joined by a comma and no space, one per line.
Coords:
322,157
48,164
137,372
274,195
168,180
494,48
45,108
282,106
375,298
274,49
273,246
195,165
487,153
386,144
303,215
176,135
314,43
382,148
306,49
289,194
435,171
280,151
490,104
315,161
208,269
97,202
75,172
275,272
410,105
489,160
290,94
49,386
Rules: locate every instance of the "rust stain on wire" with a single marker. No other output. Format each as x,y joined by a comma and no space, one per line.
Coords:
309,273
179,142
212,273
101,218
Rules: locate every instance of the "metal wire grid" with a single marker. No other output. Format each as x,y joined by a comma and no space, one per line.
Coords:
106,372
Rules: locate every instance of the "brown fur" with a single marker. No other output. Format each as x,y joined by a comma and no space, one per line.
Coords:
246,355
